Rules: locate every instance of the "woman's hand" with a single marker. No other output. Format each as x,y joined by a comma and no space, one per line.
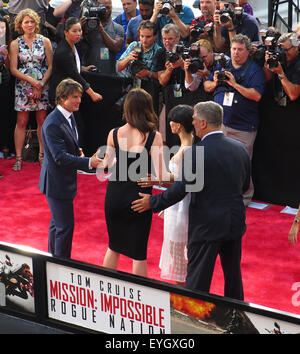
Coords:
148,181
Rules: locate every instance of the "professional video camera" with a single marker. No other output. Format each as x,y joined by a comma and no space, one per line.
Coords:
235,15
201,27
168,4
94,15
192,53
135,66
223,62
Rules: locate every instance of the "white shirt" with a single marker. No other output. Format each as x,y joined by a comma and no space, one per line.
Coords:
67,115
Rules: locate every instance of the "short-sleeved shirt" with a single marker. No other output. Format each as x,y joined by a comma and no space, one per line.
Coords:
186,17
248,27
15,6
98,54
132,28
122,20
148,57
243,113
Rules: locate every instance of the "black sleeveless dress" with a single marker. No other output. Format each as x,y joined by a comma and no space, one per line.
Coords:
128,230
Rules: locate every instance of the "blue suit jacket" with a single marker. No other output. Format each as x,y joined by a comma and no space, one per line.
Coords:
217,212
58,177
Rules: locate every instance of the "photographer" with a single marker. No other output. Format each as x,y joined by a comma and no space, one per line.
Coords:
192,81
146,11
103,38
287,69
202,26
238,88
166,11
137,61
130,11
231,20
169,64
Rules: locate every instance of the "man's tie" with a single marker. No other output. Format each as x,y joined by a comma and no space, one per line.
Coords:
73,123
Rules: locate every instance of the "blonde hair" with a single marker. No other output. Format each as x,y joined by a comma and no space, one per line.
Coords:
20,17
205,44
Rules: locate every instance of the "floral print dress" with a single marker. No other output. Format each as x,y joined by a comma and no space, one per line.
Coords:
31,62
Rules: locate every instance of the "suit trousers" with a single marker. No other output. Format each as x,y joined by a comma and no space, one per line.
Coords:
61,227
248,139
201,262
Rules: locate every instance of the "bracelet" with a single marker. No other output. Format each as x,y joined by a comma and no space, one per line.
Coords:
231,30
281,76
42,84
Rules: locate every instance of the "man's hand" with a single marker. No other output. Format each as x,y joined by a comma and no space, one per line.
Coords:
231,79
141,205
95,161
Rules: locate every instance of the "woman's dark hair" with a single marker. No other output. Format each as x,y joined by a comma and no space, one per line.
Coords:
70,22
139,111
182,114
7,31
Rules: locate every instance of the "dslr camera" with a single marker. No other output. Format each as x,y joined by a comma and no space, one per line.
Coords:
135,66
168,4
227,13
94,15
221,59
276,54
201,27
269,43
192,53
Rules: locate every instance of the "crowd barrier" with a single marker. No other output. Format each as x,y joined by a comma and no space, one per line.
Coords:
75,297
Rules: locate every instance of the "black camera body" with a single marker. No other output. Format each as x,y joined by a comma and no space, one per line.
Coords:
227,13
135,66
276,54
192,53
201,27
94,15
221,59
172,57
167,5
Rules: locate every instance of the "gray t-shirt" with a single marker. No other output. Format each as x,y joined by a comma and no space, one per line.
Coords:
98,54
15,6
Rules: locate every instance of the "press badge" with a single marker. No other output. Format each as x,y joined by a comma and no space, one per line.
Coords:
177,91
104,54
228,98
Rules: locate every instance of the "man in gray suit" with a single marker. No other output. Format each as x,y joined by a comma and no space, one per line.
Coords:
62,159
217,212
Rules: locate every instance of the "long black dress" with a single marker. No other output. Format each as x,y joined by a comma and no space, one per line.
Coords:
128,230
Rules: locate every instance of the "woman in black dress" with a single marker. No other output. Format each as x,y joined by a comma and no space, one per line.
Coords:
132,150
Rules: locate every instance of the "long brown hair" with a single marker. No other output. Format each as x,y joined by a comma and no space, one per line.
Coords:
139,111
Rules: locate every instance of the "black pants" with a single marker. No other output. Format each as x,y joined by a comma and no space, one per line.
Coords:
201,262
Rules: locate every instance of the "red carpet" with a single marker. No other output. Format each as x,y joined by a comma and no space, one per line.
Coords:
270,265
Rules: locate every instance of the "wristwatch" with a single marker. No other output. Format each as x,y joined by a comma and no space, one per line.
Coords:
296,221
281,76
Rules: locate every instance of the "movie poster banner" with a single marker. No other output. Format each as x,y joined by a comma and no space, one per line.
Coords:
105,304
16,282
194,316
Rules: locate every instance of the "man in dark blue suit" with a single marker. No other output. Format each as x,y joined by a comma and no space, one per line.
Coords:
62,159
217,212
